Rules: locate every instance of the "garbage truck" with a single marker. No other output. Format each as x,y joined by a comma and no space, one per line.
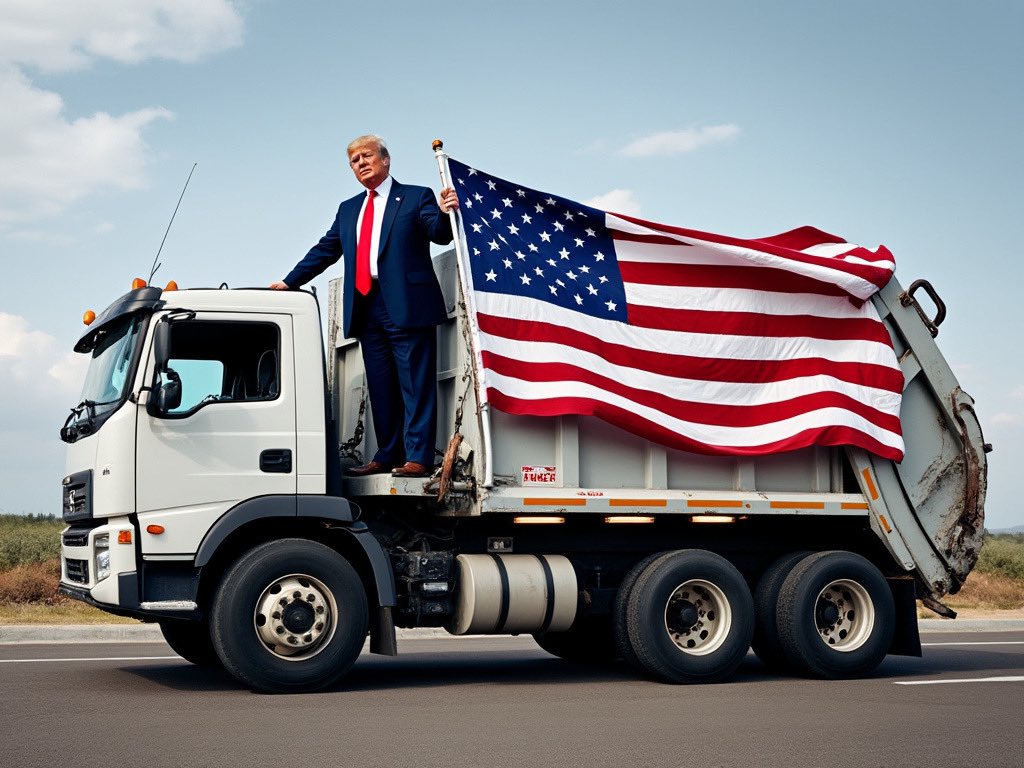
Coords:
205,491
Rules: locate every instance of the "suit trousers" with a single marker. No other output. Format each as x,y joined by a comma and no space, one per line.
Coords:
401,377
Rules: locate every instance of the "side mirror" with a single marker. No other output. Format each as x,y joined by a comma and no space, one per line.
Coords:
168,397
162,345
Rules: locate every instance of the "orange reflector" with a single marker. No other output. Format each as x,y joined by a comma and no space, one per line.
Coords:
171,286
538,520
88,316
713,503
124,537
885,523
137,283
156,530
629,519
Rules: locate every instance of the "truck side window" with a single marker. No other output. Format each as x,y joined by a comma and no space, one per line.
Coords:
223,362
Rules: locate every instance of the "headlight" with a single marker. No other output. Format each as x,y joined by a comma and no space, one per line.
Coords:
102,543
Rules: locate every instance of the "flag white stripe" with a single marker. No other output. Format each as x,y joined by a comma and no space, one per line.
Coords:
718,346
711,253
710,434
694,390
748,300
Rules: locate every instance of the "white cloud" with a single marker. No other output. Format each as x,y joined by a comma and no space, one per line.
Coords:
1018,393
617,201
39,380
61,35
668,143
48,162
49,159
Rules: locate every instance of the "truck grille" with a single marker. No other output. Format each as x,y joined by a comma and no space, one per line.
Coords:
77,570
75,537
76,496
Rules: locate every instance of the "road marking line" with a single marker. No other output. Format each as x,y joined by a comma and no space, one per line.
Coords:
1013,679
98,658
979,642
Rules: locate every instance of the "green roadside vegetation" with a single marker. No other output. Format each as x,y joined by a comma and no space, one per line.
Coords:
30,570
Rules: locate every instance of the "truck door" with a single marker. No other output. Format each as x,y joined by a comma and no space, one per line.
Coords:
230,436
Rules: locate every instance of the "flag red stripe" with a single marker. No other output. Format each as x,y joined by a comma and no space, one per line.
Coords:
756,324
707,276
694,367
688,410
837,435
877,275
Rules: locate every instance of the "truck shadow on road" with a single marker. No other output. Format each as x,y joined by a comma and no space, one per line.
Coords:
529,667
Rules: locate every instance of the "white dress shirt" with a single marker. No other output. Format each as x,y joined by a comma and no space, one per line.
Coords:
381,201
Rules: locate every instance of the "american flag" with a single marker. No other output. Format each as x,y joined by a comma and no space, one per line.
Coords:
697,341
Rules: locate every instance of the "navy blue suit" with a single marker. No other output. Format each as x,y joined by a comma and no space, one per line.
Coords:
395,324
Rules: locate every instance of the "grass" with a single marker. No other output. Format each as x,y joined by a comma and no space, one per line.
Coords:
28,539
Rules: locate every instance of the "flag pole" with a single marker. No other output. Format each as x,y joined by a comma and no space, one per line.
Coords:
466,286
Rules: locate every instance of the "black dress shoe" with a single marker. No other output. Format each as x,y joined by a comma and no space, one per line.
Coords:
373,468
411,469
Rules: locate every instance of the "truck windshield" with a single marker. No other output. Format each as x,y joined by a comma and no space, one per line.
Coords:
107,380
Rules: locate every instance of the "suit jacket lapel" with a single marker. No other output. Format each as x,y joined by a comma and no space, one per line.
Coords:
390,211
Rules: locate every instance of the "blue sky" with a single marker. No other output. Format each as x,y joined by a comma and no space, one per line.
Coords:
885,122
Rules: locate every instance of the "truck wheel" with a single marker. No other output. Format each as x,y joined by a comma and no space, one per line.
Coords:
620,609
836,615
588,641
191,641
690,617
290,616
766,643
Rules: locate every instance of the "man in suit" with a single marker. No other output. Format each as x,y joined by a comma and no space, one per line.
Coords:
391,302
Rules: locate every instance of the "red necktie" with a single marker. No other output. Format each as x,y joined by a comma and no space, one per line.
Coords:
363,280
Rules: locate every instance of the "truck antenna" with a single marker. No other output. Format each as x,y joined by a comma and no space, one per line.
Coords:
157,266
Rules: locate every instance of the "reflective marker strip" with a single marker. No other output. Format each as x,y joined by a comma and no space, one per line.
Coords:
853,505
870,483
555,502
637,502
713,503
885,523
797,505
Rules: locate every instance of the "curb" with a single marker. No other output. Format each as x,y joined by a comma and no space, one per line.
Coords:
17,634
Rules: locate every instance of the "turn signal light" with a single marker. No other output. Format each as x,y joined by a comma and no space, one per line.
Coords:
156,530
124,536
171,286
88,316
137,283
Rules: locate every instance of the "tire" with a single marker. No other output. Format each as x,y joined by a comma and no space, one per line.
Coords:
836,616
690,617
289,617
620,609
190,640
588,641
766,643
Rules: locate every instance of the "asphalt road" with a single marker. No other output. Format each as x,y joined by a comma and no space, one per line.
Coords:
504,702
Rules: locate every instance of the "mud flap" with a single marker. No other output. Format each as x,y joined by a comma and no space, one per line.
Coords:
906,640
